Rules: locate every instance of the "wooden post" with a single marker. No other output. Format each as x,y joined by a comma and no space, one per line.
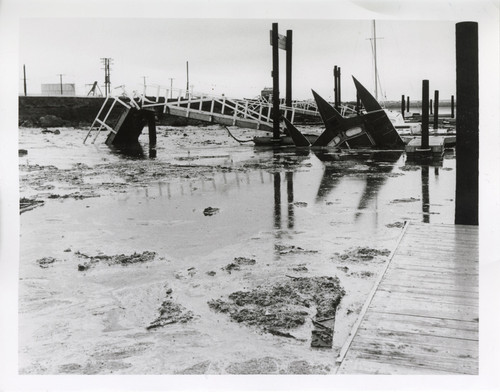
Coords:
24,72
339,88
403,106
452,106
335,88
467,149
408,104
288,68
436,108
430,106
276,85
425,114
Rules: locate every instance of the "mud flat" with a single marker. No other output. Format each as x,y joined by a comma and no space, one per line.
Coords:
211,258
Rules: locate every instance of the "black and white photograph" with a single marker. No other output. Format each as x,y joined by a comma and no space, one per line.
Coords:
199,195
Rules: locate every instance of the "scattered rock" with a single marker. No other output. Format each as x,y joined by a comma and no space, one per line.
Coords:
51,121
46,262
300,204
22,152
211,273
67,250
209,211
54,131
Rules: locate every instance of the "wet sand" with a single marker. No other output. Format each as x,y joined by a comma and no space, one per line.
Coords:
154,259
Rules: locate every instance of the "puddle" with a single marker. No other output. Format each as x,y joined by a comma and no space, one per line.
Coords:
200,221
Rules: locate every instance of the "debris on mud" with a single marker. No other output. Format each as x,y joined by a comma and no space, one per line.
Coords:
74,195
26,204
284,249
405,200
300,268
171,313
409,168
209,211
283,305
22,152
362,254
399,225
211,273
116,259
237,263
300,204
46,262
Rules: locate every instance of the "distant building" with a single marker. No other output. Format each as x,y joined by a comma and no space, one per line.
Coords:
267,93
52,89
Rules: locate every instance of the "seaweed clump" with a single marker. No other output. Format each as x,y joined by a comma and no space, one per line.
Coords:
285,304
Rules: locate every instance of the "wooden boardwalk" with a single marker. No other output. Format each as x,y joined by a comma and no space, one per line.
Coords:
422,315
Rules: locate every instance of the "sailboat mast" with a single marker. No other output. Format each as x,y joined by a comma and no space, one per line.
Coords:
375,59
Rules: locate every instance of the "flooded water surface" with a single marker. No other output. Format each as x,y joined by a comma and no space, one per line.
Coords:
126,253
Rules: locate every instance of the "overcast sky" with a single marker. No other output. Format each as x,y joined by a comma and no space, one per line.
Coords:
233,56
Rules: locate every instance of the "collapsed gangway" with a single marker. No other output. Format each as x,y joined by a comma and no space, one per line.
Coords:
253,113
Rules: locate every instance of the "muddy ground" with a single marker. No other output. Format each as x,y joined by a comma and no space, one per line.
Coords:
210,258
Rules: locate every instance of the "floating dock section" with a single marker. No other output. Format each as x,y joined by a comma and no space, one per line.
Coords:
422,316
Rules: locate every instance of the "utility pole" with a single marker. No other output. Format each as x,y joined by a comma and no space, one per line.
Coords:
107,75
60,82
24,72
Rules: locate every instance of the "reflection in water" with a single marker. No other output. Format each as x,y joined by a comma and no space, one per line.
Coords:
374,184
289,190
134,150
277,201
425,193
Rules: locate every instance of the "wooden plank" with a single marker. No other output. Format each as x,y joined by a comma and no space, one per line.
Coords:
432,291
423,325
436,297
422,308
463,365
376,366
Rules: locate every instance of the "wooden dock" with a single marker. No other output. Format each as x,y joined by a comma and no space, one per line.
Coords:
422,315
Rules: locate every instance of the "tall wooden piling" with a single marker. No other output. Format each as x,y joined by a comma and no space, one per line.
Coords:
403,106
452,106
288,98
467,148
339,88
24,80
436,109
408,104
430,106
335,88
276,84
425,114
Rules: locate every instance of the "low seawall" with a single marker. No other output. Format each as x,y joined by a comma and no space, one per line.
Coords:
73,111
